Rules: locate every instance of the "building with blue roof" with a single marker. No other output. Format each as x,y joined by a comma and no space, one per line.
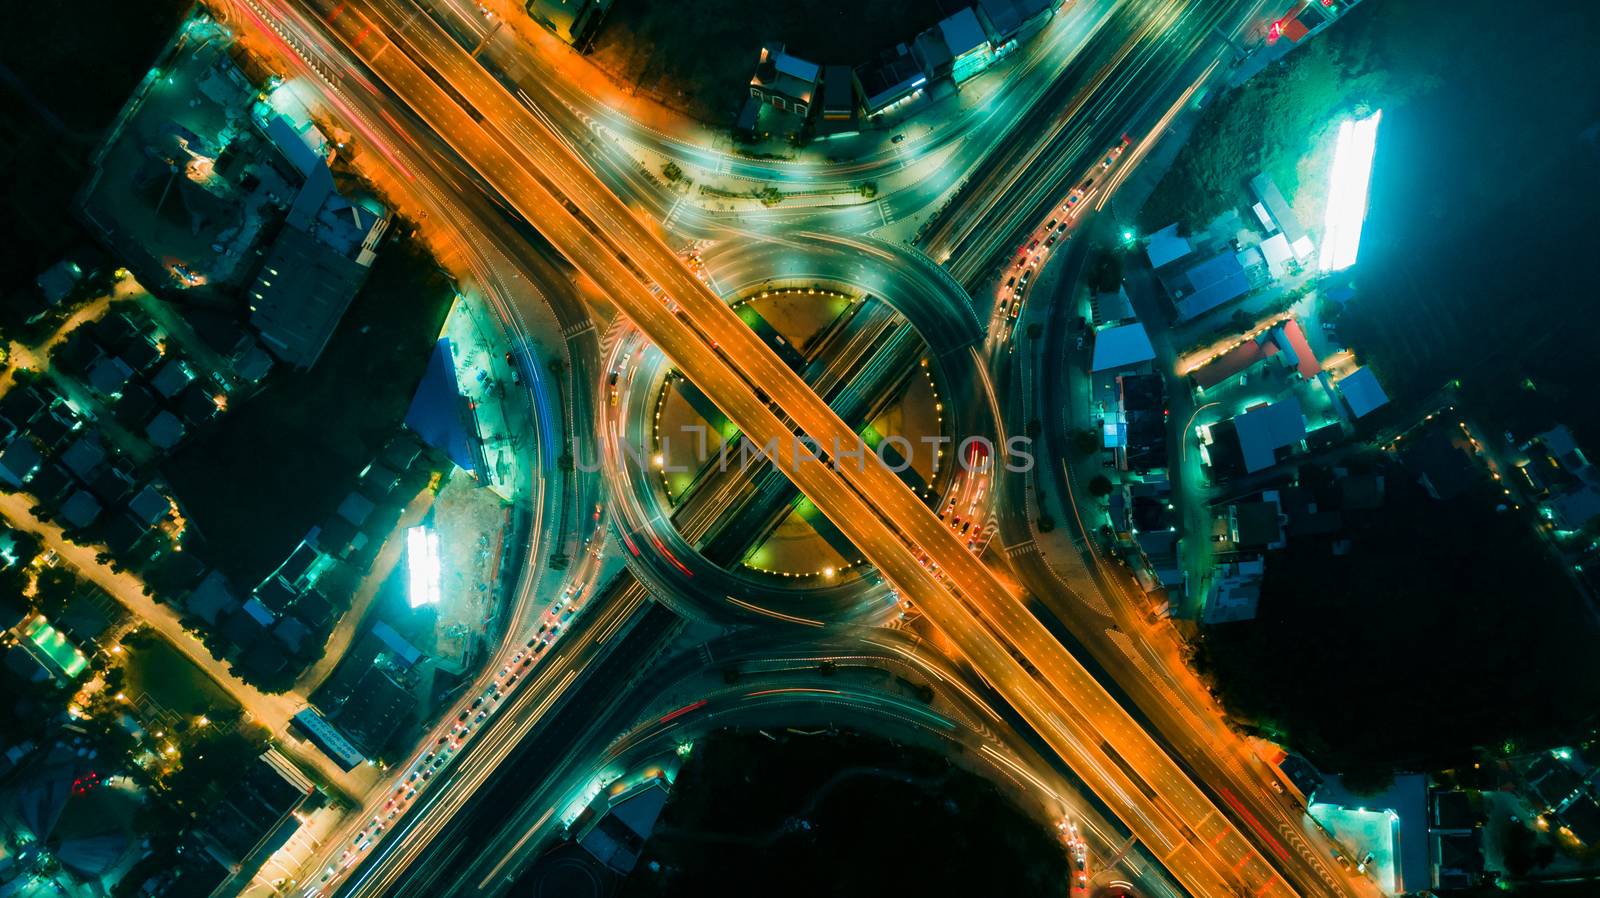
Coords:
1218,280
441,415
1265,431
1117,348
1362,393
1165,246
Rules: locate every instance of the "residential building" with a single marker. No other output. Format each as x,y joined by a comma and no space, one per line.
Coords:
85,457
1216,281
892,78
109,375
1010,22
785,81
1564,479
968,43
150,507
1257,525
376,707
1165,246
613,828
172,377
59,280
1235,591
164,431
19,461
839,103
1361,392
1121,348
213,599
254,816
80,510
1267,433
1280,214
305,287
1143,408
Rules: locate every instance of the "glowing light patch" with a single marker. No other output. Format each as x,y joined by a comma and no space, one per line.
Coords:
422,566
1347,192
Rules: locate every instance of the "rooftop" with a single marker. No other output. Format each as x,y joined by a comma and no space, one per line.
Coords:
781,72
963,33
1293,339
1362,392
1166,246
302,292
1120,347
1266,429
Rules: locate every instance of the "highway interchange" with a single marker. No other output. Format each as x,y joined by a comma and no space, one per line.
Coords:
469,143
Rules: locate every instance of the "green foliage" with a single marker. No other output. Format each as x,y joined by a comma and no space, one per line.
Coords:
1279,118
1100,486
1085,441
1105,272
281,461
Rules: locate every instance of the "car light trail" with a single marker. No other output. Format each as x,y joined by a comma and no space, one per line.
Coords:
686,709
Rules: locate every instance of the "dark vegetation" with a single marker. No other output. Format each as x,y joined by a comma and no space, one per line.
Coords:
1485,193
65,78
1445,628
281,462
699,60
1282,120
842,816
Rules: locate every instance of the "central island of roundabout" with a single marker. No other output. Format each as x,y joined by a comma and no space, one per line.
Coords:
709,520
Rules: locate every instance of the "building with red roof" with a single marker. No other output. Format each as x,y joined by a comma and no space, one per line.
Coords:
1235,361
1292,339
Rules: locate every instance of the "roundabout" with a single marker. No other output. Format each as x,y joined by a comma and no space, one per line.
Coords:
708,518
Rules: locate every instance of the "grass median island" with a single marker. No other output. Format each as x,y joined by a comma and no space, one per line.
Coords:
157,670
842,816
280,462
700,60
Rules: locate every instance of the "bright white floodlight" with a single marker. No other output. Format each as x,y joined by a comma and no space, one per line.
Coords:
1347,192
422,566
